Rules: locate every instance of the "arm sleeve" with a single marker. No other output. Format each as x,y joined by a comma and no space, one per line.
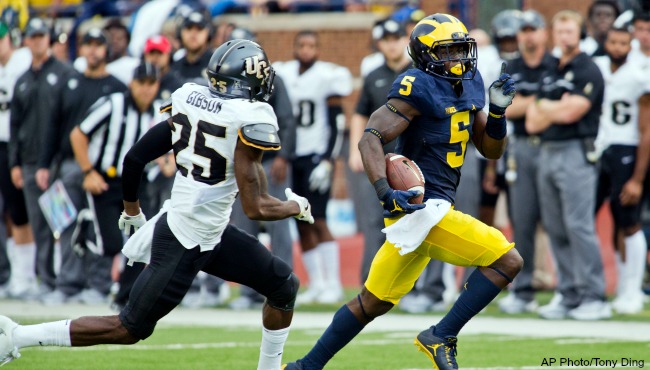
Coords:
156,142
336,120
286,120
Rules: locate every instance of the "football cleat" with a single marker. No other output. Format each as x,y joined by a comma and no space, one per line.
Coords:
292,366
8,350
441,351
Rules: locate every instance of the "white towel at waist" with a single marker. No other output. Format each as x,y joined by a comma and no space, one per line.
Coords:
138,247
410,231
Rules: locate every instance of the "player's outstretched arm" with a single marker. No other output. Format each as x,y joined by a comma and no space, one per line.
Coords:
257,203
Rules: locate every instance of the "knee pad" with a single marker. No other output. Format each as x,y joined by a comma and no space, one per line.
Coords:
284,297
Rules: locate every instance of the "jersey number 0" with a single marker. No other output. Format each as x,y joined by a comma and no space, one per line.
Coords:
196,150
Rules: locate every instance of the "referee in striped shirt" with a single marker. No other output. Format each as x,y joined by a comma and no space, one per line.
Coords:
100,143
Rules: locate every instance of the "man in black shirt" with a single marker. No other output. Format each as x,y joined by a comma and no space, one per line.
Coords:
195,35
35,94
567,114
81,276
526,70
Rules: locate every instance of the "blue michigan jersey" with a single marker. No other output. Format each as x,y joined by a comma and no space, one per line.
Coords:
437,139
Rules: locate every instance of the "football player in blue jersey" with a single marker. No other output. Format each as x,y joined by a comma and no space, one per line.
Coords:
432,110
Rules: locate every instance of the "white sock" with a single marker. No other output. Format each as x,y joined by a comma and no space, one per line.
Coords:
621,275
314,267
635,259
329,252
23,262
10,248
272,348
56,333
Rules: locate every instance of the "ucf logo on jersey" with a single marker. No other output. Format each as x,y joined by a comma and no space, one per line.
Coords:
257,67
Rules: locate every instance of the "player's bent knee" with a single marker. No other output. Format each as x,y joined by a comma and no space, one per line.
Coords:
372,306
284,298
512,262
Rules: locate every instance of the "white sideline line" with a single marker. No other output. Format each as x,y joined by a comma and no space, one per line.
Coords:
183,346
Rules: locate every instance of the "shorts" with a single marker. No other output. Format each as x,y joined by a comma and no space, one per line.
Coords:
14,200
458,239
301,169
161,286
616,167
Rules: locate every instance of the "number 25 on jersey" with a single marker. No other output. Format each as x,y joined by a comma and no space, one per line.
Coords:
196,150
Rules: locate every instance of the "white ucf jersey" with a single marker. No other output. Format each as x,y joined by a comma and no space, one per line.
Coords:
205,135
620,112
18,64
308,93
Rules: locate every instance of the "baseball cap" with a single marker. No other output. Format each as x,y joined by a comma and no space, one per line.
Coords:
4,29
416,16
387,28
94,34
532,19
145,71
195,19
157,43
36,26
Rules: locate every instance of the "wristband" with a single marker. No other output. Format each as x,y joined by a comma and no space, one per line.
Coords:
382,188
496,110
495,126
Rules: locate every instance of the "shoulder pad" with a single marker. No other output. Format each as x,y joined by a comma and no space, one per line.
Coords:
262,136
166,106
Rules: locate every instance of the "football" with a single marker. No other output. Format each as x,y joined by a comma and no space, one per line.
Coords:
403,174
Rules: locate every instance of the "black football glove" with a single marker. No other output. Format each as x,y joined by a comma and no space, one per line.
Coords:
396,202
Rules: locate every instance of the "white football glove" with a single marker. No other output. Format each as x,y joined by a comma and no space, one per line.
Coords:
303,203
502,91
321,177
127,222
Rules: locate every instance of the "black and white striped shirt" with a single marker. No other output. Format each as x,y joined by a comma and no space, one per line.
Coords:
113,125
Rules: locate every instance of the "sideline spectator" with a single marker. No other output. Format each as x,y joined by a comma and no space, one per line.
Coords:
523,156
17,277
316,89
566,115
624,141
80,278
35,94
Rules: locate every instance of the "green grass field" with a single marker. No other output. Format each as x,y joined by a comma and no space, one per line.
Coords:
237,348
192,347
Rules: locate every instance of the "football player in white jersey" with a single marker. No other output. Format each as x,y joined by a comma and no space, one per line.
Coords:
13,63
218,134
624,141
316,89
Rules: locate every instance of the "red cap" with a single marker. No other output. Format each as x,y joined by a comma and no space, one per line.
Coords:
157,43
